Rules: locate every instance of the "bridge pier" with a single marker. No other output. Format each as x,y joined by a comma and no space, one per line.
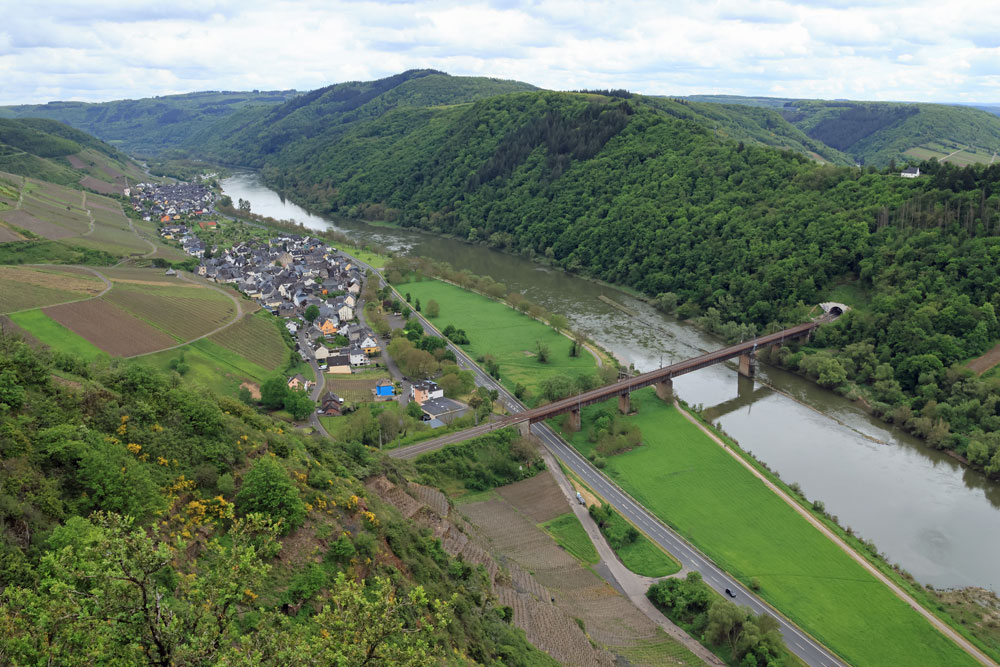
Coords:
624,404
524,428
748,365
665,390
573,421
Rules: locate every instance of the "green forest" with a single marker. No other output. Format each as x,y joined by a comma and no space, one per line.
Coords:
148,523
741,237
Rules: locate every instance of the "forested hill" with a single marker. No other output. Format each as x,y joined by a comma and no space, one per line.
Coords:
55,152
876,133
150,125
744,236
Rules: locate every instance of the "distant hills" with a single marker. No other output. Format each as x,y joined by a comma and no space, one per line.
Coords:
875,133
52,151
150,125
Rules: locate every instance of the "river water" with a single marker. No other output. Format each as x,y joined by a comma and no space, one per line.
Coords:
937,519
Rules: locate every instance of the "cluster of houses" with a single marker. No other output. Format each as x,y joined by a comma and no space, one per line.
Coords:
175,231
289,273
169,202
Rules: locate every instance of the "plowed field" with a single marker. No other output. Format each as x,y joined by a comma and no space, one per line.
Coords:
182,312
109,327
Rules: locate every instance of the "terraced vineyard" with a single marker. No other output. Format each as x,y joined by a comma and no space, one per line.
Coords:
108,327
183,312
25,287
256,338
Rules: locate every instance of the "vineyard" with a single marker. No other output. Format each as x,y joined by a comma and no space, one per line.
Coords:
183,312
255,338
354,391
32,288
108,327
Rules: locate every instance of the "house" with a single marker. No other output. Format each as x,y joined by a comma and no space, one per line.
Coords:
911,172
357,356
328,327
330,405
384,389
426,390
322,355
297,381
370,345
338,364
444,409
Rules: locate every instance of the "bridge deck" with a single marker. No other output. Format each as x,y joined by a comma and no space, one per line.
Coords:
629,385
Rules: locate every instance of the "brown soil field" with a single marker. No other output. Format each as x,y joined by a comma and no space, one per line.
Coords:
610,619
183,312
76,162
97,201
42,228
7,234
100,186
351,390
539,497
109,327
254,390
84,283
980,365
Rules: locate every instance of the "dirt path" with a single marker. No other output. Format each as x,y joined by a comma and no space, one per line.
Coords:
633,585
980,365
950,154
90,214
940,625
237,318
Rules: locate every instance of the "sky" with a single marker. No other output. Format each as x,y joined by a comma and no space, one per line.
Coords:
97,50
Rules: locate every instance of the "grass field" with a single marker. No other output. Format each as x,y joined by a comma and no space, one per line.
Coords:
955,153
503,332
570,535
642,556
696,487
256,338
55,335
212,366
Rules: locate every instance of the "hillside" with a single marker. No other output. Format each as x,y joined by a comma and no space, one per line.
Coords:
55,152
147,523
150,125
876,133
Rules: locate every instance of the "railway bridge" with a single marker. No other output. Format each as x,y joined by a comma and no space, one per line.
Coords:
662,378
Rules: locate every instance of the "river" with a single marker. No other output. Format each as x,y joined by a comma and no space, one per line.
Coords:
925,511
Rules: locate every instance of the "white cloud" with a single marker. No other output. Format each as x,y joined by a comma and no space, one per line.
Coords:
97,50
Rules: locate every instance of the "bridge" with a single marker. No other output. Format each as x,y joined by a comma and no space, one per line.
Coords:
662,378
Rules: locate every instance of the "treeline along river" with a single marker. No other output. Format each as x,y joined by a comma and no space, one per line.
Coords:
924,510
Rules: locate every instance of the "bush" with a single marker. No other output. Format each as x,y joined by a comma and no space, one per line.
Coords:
226,484
268,489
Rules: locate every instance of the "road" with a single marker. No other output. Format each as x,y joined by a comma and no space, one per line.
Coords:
320,382
798,642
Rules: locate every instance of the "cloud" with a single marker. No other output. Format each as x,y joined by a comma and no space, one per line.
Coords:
96,50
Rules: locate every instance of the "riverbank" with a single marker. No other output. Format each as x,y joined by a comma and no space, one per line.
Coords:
707,496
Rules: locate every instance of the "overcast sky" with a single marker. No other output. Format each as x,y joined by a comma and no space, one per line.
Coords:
98,50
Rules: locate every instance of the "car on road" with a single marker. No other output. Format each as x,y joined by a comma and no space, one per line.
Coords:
730,593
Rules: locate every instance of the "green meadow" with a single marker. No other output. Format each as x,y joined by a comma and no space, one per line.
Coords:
568,533
510,336
55,335
708,497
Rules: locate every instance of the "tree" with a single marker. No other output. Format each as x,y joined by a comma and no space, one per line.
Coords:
267,489
244,205
433,309
416,305
273,393
311,313
541,352
298,404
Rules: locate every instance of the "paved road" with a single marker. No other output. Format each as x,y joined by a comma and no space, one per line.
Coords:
799,643
320,382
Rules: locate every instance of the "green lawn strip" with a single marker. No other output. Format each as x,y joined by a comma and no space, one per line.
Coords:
868,550
568,533
508,335
709,498
211,365
56,336
641,555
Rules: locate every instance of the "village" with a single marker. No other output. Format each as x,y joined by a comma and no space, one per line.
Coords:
317,290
